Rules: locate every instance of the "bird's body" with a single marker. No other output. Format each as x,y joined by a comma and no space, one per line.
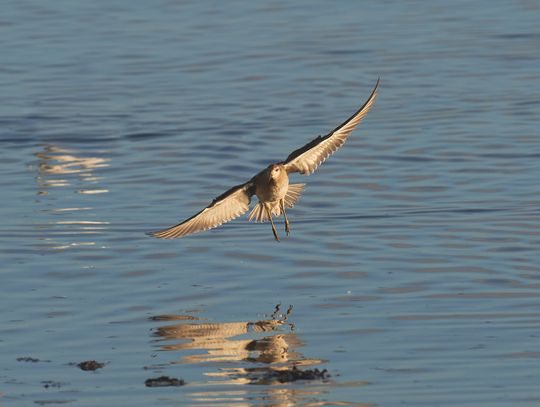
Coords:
271,185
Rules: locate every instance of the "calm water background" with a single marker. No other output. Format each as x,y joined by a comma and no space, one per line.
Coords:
413,268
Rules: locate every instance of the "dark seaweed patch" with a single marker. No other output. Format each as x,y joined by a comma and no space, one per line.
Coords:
90,365
164,381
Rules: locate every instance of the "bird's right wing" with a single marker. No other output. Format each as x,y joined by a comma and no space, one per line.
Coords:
224,208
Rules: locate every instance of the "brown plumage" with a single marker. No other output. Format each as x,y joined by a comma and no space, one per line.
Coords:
271,185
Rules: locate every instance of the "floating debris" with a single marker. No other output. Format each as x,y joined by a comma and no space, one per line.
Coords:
51,383
164,381
30,359
90,365
294,374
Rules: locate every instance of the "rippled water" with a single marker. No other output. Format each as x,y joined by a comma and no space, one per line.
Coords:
412,273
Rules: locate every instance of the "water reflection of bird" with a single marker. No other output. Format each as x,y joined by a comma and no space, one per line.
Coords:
240,353
271,185
215,338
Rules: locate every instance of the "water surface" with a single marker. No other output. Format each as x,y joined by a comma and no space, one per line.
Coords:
412,272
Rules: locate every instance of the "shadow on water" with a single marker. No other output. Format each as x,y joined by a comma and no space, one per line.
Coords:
264,352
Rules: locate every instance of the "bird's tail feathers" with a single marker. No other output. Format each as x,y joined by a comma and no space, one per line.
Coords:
293,194
259,214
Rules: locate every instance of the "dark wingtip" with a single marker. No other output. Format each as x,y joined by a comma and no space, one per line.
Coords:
376,85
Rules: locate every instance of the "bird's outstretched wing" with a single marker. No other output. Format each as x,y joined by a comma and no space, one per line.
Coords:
306,159
224,208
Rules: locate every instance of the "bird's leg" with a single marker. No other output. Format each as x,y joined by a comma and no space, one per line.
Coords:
269,213
287,226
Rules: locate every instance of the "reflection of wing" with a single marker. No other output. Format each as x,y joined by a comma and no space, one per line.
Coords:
306,159
224,208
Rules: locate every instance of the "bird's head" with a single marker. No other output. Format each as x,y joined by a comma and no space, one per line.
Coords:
275,171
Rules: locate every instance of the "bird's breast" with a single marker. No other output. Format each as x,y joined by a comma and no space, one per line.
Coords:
271,190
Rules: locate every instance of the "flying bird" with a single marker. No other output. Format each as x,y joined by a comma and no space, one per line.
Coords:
271,185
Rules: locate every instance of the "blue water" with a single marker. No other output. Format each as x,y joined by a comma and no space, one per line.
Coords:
412,272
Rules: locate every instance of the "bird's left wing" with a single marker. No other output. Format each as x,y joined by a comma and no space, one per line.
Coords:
224,208
306,159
